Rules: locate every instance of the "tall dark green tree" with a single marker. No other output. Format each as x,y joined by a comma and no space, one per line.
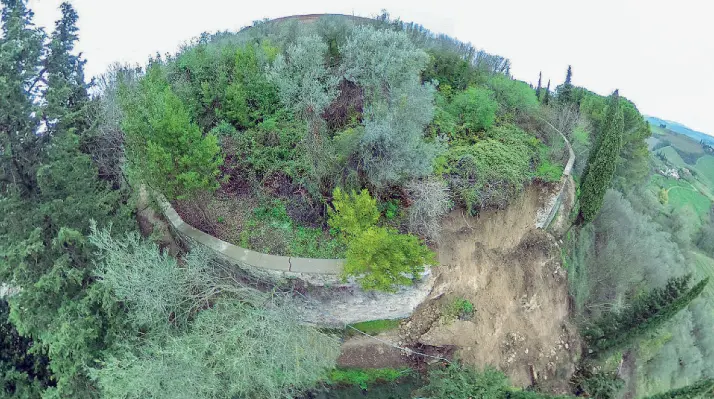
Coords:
20,59
66,93
602,162
699,389
618,330
49,194
565,91
546,96
540,77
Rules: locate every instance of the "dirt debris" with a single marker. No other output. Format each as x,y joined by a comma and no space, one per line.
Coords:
511,273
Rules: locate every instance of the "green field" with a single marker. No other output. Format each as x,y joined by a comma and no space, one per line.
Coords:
705,167
681,194
704,266
673,157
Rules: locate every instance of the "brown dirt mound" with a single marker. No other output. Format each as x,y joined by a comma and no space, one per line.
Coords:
511,273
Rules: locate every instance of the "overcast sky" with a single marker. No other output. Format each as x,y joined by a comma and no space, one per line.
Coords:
659,53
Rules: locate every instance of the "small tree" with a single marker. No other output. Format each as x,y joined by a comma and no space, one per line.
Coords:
538,89
695,391
351,214
475,109
430,201
602,163
382,259
165,148
546,96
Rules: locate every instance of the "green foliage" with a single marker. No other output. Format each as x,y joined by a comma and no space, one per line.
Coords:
23,374
617,330
603,160
462,382
382,259
489,172
699,389
364,377
164,147
515,97
474,110
459,308
549,172
21,49
352,214
447,68
599,384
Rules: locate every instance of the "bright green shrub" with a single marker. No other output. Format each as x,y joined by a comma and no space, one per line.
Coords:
165,148
352,213
250,97
474,109
382,259
514,96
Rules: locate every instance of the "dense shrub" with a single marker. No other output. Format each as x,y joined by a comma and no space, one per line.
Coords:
364,377
165,148
474,110
514,96
386,64
351,214
489,172
382,259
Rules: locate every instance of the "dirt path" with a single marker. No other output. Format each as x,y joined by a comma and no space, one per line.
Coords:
511,273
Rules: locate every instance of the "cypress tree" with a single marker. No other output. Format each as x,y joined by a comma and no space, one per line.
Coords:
546,97
565,92
602,162
540,76
696,390
66,93
21,148
617,330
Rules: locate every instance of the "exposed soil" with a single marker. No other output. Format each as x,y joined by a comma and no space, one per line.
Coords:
511,273
365,352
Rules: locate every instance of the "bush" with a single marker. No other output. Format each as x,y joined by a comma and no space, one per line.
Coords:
351,214
382,259
364,377
489,172
549,172
514,96
462,382
474,109
460,308
166,149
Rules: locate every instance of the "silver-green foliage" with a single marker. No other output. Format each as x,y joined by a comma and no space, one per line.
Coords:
305,83
398,106
393,148
200,333
381,60
232,350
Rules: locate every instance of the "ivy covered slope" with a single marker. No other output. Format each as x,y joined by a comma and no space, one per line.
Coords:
250,134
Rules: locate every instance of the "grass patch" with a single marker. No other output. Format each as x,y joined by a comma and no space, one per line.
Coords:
374,327
705,167
460,308
704,267
681,193
363,378
270,230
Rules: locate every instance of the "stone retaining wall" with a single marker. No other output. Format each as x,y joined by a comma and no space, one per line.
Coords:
330,302
552,204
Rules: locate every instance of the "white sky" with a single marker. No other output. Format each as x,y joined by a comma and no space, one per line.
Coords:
659,53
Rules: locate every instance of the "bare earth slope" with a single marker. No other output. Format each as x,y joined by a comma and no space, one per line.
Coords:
511,272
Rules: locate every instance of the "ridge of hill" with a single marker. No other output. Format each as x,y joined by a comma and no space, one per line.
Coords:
677,127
